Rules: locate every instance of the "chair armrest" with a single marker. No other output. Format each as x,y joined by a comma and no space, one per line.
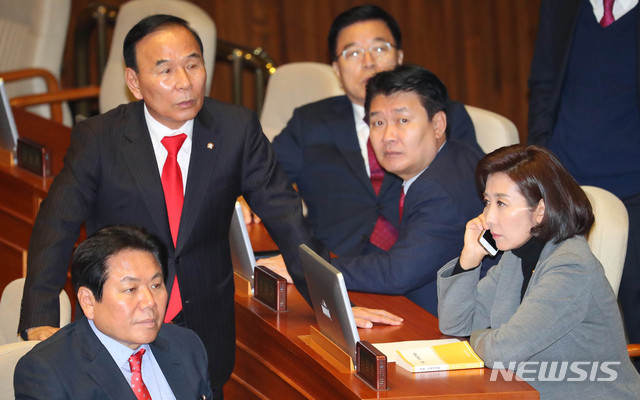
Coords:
50,81
27,73
633,349
56,97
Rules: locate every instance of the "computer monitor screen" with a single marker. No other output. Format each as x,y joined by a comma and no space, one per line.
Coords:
8,130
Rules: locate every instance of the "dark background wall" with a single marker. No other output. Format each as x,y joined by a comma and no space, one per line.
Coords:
481,49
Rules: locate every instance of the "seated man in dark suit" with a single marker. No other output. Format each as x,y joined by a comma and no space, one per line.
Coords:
121,350
352,202
407,115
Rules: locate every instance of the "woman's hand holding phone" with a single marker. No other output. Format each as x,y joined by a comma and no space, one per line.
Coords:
473,252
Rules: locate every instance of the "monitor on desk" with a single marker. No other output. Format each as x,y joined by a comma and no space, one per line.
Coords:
8,130
330,300
242,257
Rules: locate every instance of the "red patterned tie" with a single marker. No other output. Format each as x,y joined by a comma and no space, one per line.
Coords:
401,202
384,234
607,18
174,197
137,384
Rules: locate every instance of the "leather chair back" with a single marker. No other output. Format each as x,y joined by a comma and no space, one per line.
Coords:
294,85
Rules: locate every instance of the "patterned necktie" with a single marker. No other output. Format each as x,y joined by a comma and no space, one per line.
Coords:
607,18
137,384
401,202
384,234
174,197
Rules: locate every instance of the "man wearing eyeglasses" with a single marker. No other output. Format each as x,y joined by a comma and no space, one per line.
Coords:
352,202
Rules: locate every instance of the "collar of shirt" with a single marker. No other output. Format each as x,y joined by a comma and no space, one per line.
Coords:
620,8
362,130
158,131
406,184
151,373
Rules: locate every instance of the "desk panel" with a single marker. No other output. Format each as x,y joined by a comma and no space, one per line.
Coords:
273,362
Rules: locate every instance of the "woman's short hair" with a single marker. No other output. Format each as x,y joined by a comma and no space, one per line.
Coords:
540,175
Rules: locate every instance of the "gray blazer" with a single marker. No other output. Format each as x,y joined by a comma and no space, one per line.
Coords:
568,313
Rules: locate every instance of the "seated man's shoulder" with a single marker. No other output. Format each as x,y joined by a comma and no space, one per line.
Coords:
180,338
60,345
311,110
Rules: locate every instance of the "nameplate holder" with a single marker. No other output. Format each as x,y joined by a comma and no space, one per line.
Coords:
371,366
328,350
270,288
242,284
34,157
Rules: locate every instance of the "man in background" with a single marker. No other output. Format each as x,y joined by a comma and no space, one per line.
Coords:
406,110
585,107
352,202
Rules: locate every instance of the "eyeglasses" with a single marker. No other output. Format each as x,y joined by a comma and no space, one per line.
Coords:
377,51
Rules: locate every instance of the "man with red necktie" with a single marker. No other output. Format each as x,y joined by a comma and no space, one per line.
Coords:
121,350
585,107
352,202
406,109
173,163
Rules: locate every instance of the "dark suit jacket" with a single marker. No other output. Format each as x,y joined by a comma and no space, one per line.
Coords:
111,177
320,152
437,207
74,364
548,68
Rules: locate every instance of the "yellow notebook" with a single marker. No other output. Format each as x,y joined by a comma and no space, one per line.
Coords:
458,355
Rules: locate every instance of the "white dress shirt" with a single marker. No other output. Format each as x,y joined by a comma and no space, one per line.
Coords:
362,129
152,375
157,132
620,8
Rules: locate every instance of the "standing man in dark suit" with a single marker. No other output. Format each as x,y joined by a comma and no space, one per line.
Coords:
352,202
119,276
118,171
585,107
406,110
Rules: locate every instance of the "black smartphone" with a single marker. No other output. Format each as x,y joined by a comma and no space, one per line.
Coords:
486,240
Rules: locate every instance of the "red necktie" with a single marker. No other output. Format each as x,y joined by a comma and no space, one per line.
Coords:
384,234
174,197
607,18
137,384
401,202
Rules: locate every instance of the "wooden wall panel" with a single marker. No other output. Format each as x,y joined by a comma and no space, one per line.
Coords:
481,49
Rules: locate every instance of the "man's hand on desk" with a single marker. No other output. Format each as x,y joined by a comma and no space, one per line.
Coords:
41,332
249,216
365,317
276,264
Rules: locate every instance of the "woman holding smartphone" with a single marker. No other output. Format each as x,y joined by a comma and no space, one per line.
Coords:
546,310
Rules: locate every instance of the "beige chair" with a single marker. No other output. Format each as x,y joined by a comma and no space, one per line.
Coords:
113,77
294,85
10,304
10,354
608,239
608,236
492,130
32,39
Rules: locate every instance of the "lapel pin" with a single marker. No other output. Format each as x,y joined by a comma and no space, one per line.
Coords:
210,146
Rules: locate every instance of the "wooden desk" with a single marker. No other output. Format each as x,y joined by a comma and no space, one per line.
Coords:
273,362
21,193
